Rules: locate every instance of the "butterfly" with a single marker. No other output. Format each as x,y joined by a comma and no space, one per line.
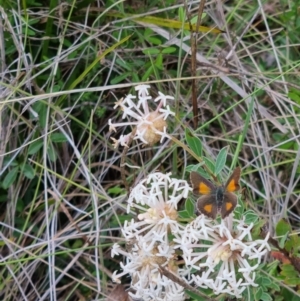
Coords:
216,199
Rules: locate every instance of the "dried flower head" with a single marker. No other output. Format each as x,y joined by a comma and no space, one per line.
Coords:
150,126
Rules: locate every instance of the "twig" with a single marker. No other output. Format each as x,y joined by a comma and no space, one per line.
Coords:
181,282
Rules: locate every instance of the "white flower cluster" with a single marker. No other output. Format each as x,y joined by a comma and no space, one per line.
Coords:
220,256
150,125
222,253
156,198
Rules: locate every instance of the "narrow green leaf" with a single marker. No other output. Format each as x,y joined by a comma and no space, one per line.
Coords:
120,78
168,50
43,115
116,190
154,40
28,171
209,164
20,206
196,167
35,146
51,153
159,61
58,137
258,293
147,74
124,64
189,207
151,51
194,143
194,19
10,177
221,160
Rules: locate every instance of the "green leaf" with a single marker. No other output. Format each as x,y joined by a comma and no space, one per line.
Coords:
292,281
28,171
250,217
184,214
194,19
168,50
58,137
51,153
266,297
274,286
194,143
289,295
10,177
221,160
159,61
273,268
148,73
120,78
282,227
287,268
35,146
282,231
239,210
151,51
154,40
20,206
124,64
294,96
265,281
189,207
78,243
209,164
7,160
293,244
43,115
116,190
258,293
197,168
282,240
288,271
189,168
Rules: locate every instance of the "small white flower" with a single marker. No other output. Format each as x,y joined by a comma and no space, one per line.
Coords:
142,264
225,253
163,98
150,125
156,197
115,250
